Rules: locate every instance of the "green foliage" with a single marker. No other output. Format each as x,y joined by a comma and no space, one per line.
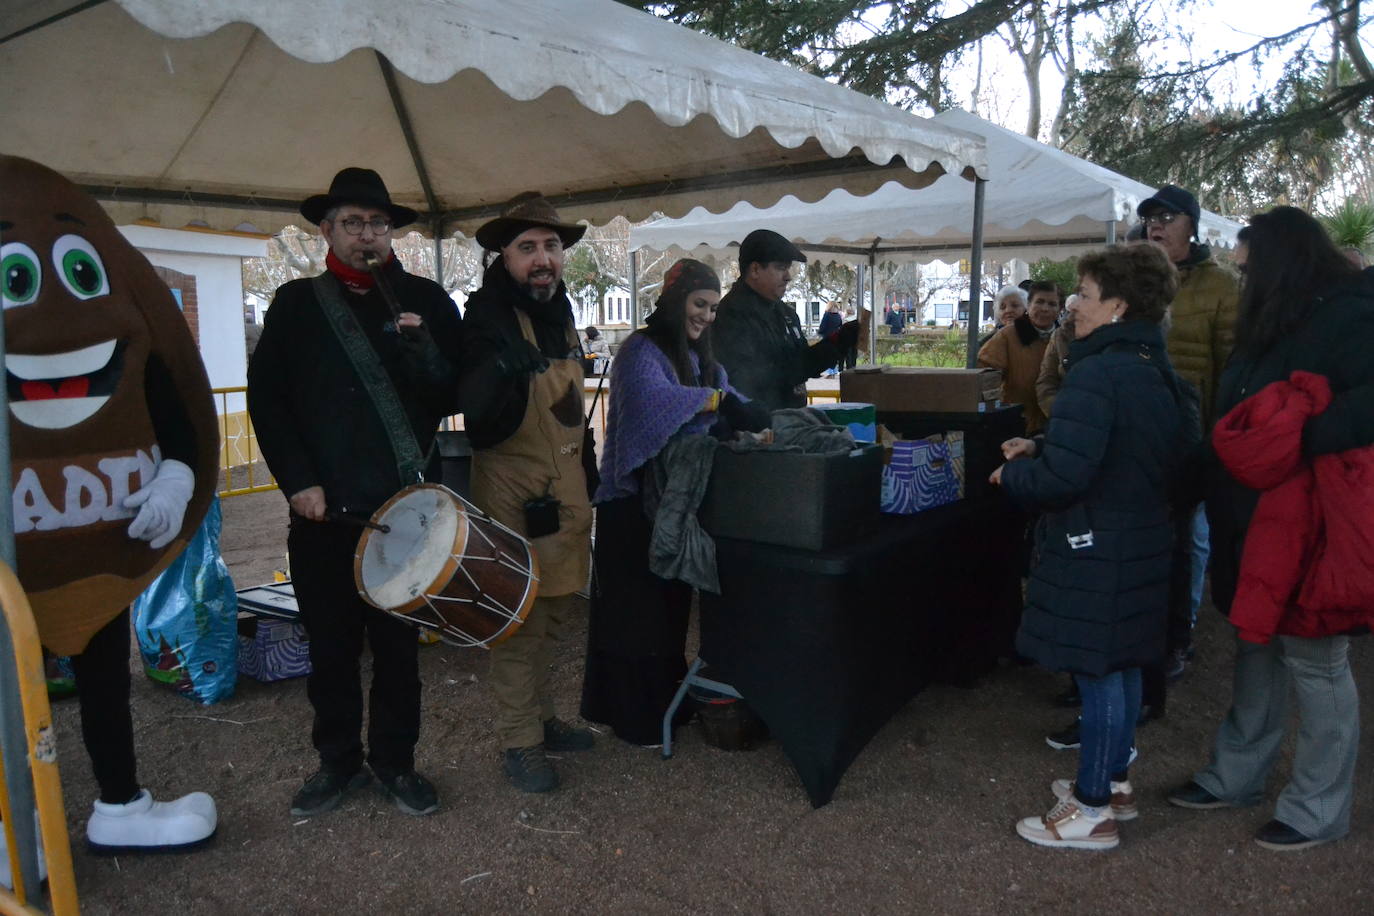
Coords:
582,274
1351,225
946,352
1063,274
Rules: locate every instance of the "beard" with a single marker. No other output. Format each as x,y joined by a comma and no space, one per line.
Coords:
540,293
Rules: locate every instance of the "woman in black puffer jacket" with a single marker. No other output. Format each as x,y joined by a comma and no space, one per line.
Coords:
1099,589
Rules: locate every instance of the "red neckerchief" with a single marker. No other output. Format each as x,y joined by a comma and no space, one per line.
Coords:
357,280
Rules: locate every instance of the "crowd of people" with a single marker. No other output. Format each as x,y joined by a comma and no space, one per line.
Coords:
1121,391
1172,411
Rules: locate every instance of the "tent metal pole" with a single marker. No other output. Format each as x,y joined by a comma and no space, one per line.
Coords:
975,272
634,290
873,298
18,779
439,250
1111,232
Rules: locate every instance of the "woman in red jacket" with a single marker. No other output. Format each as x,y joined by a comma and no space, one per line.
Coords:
1304,309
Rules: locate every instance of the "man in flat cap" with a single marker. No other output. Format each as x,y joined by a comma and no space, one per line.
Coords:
758,338
345,397
532,460
1201,335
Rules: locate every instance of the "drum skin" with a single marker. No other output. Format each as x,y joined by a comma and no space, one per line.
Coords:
86,322
474,597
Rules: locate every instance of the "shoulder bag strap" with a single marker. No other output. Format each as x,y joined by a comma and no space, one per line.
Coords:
410,463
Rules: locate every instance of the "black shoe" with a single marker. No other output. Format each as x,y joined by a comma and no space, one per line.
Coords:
412,793
1065,740
1069,698
1149,713
1192,795
323,791
560,736
1175,663
1278,836
529,769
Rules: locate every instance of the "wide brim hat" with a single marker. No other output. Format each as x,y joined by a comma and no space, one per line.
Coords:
362,188
530,210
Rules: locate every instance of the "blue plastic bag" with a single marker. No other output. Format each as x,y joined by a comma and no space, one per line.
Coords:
187,620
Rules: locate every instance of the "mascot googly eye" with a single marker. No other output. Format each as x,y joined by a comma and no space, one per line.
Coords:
113,434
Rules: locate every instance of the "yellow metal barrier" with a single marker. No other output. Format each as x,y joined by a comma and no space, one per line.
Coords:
42,757
238,449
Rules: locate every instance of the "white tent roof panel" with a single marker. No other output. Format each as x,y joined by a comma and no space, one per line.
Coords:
231,112
1039,201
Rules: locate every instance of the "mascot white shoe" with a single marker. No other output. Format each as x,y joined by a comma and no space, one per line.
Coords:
145,825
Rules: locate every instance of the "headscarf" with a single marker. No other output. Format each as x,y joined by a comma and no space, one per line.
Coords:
683,278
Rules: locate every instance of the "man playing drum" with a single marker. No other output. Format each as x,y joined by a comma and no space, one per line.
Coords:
346,390
522,404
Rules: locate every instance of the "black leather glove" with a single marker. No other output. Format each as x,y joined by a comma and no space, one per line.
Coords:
744,416
847,337
521,359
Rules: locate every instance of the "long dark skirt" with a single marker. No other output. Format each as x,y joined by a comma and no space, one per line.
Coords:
637,632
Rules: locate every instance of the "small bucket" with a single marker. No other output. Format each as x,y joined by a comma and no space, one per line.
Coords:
727,722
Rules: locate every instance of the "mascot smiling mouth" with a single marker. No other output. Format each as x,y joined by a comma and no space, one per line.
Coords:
58,390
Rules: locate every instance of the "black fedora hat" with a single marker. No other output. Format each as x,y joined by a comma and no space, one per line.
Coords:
529,210
361,187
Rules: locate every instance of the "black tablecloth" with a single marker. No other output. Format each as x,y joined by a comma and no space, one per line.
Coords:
827,646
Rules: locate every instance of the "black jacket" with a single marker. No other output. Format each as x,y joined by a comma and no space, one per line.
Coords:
316,424
761,346
1098,593
494,403
1336,341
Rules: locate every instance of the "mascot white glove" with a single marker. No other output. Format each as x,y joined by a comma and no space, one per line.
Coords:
162,504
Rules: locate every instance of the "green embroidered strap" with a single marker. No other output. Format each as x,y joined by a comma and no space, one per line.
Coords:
409,461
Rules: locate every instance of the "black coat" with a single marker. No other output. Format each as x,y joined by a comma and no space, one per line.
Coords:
1335,341
315,422
761,346
1098,595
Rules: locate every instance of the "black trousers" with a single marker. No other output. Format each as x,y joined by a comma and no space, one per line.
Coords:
336,620
107,724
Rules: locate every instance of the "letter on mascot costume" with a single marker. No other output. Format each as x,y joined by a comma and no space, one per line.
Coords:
114,445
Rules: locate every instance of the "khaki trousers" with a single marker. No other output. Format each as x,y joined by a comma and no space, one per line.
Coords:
520,673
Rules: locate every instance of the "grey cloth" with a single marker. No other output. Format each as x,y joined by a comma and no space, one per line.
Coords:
674,484
1316,801
801,429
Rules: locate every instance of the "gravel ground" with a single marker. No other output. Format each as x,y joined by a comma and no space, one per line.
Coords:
922,822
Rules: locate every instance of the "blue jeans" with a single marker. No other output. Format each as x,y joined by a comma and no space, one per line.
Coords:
1202,549
1111,705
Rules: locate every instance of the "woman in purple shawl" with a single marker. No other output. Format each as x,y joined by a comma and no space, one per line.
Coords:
663,381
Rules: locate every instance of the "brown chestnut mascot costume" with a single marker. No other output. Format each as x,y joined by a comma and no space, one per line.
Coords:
114,451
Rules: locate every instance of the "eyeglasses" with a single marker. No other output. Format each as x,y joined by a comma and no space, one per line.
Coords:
1162,218
354,225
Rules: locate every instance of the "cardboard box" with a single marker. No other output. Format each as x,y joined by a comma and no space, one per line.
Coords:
910,389
792,499
272,644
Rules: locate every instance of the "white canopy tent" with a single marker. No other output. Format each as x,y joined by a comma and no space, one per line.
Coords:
226,114
1039,202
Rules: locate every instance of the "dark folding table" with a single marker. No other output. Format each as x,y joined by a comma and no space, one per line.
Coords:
826,646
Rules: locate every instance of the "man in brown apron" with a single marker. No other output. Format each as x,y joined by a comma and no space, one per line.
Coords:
522,403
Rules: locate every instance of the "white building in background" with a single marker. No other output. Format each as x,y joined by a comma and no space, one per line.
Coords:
205,272
615,306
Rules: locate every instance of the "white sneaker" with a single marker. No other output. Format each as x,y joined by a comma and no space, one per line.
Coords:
1123,797
6,879
1071,826
144,825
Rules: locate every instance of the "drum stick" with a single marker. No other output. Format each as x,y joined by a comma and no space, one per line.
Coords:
355,520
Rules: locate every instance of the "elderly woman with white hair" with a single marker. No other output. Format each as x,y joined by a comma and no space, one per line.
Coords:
1010,304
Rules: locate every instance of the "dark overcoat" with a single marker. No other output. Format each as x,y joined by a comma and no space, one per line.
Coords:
1099,589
